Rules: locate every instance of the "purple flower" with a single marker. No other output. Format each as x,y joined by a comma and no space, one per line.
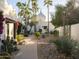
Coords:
1,18
1,31
1,23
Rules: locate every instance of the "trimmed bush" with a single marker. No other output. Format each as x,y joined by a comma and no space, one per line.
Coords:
19,37
37,34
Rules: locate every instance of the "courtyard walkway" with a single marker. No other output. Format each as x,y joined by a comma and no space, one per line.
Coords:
28,50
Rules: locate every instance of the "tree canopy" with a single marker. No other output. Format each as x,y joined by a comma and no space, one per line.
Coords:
67,13
57,19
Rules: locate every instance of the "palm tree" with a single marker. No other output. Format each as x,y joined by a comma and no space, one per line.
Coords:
48,3
34,6
35,9
25,12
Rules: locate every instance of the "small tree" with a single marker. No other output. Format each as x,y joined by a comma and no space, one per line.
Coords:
37,34
25,12
48,3
66,16
35,10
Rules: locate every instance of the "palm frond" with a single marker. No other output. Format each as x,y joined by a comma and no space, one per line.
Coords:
48,2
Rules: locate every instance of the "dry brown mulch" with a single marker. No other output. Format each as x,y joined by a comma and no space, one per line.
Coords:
46,51
48,38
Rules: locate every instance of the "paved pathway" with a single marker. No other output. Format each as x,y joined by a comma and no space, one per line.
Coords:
27,51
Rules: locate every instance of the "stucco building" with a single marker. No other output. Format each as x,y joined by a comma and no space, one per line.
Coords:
42,24
10,17
74,31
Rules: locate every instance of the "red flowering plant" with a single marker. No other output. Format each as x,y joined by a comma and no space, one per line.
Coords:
1,22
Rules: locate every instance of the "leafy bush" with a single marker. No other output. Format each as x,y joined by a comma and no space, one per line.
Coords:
40,30
65,46
56,32
19,28
9,46
19,37
51,32
75,52
37,34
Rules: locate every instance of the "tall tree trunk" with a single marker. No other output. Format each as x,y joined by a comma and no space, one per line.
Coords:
25,29
48,18
35,28
35,21
30,29
64,31
7,29
67,27
64,27
69,31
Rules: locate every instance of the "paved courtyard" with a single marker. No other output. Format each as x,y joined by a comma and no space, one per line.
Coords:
27,51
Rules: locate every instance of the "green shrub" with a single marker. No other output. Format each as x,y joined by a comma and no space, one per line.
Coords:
56,32
65,46
37,34
51,32
40,30
75,52
9,46
19,37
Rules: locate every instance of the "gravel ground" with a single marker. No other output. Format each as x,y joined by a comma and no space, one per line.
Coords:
46,51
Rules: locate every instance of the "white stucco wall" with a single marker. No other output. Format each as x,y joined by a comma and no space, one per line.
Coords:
74,31
41,18
11,30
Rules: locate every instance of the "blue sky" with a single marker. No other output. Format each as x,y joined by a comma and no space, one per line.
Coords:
41,5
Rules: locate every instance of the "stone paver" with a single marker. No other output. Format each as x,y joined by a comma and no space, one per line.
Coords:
27,51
